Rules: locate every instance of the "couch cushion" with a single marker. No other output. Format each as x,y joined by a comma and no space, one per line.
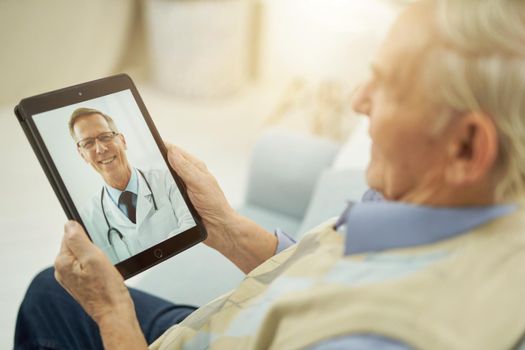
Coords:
355,153
333,190
284,169
271,220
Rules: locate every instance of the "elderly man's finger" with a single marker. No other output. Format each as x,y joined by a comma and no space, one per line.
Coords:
60,280
189,173
63,267
58,276
187,156
77,241
63,262
63,246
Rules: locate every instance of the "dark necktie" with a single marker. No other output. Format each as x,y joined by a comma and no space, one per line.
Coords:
128,200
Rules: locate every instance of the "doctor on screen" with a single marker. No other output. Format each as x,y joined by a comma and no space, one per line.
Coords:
135,208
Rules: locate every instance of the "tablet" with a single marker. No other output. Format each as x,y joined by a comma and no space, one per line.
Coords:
108,167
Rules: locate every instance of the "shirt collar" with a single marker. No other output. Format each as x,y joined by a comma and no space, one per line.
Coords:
376,224
133,187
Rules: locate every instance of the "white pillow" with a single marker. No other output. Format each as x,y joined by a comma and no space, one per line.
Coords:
355,153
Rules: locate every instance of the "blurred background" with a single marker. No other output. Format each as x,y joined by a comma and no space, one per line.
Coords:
214,75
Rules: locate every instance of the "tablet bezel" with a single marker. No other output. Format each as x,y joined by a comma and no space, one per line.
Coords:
31,106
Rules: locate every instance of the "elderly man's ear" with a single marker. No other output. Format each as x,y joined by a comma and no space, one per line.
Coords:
472,150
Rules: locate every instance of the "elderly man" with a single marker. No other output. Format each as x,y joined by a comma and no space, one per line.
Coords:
437,264
135,209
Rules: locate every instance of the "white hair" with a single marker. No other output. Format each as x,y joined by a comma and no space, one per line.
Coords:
480,67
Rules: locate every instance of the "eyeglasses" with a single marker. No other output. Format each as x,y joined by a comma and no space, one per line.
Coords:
89,142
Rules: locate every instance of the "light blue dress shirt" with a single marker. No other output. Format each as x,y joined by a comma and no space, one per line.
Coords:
375,225
133,187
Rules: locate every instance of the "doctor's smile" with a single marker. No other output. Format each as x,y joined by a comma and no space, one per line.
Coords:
107,160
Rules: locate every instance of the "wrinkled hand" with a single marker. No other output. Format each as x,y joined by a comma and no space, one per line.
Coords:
207,197
88,275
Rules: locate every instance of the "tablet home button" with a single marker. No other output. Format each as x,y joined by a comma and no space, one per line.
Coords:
158,253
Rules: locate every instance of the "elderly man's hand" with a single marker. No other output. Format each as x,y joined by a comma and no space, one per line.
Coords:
88,275
238,238
206,196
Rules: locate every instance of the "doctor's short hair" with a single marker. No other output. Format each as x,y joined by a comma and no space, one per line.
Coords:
81,112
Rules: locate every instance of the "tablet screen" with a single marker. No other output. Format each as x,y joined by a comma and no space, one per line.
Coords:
115,174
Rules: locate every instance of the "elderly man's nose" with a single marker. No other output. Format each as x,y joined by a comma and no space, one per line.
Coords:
360,100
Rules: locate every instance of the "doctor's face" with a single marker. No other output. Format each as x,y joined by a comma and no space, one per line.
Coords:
104,150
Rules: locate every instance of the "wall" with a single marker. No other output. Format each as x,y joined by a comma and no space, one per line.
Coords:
50,44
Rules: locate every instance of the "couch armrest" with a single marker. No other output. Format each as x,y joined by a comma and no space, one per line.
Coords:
284,169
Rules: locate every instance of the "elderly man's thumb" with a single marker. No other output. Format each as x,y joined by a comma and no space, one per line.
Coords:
71,226
75,236
180,164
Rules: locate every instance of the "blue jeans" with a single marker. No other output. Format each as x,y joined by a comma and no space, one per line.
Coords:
49,318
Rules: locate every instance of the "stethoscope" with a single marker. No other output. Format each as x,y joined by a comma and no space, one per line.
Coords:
112,229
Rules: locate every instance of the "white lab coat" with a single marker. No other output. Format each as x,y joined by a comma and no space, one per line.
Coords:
151,227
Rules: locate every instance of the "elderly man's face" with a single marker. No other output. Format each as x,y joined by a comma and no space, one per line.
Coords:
107,155
407,156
